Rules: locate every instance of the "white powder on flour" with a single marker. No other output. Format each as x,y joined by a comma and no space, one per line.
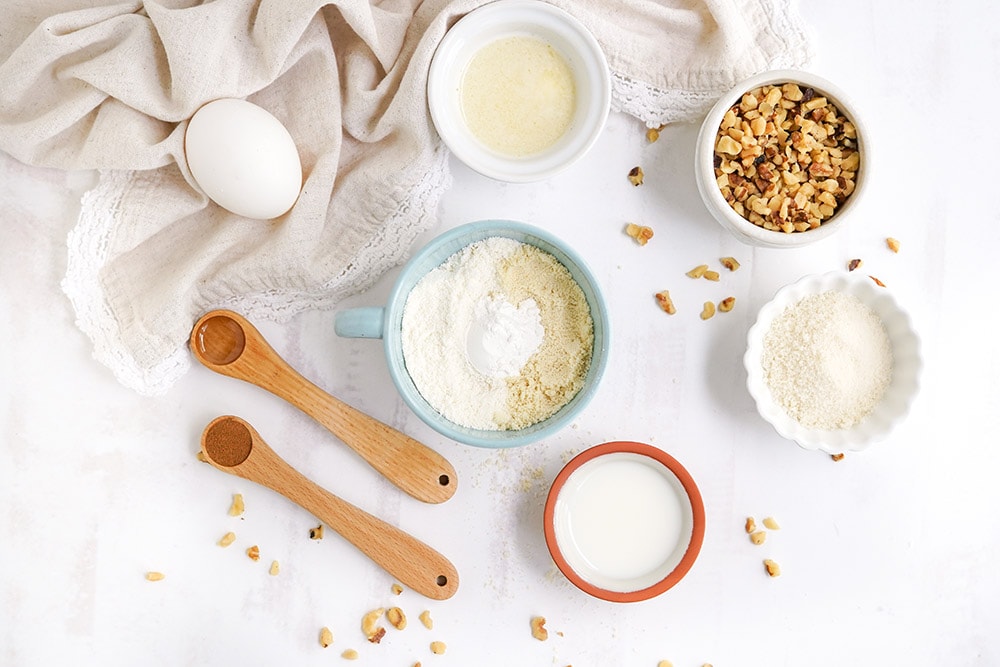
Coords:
827,360
499,336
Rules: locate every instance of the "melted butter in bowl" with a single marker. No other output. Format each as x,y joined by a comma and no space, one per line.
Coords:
519,90
518,96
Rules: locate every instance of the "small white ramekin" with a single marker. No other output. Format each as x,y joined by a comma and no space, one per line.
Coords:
508,18
705,177
896,401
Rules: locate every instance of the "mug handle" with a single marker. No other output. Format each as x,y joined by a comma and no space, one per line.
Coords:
366,322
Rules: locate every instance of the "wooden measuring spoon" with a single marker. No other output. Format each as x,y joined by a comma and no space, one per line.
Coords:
232,445
227,343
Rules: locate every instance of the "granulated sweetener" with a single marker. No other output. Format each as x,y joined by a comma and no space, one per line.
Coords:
827,360
498,337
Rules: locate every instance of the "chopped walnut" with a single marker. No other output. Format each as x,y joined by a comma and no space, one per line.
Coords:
772,568
664,663
653,133
253,553
635,176
370,627
349,654
711,275
771,524
758,537
316,533
784,160
698,271
438,648
325,637
727,304
750,525
425,618
274,569
665,302
837,457
854,264
397,589
708,310
227,539
640,233
237,507
538,630
730,263
396,618
892,244
155,576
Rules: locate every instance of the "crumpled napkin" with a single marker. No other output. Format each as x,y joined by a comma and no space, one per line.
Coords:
86,84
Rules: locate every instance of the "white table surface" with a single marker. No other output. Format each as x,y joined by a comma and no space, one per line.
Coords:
888,557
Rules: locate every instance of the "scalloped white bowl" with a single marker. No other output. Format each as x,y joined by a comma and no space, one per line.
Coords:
907,365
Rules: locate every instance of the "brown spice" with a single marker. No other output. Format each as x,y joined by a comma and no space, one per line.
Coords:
227,442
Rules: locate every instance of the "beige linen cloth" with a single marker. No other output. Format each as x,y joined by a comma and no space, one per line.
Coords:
109,86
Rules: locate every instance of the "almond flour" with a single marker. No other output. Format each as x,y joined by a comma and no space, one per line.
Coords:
507,300
827,360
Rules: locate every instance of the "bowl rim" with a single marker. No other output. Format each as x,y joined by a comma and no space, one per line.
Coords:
860,436
717,205
469,151
449,242
693,495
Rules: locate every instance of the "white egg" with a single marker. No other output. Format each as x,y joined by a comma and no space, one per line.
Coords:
243,158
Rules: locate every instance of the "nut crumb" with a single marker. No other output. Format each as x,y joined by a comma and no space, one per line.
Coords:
325,637
653,133
730,263
664,663
758,537
698,271
538,630
771,524
237,507
370,627
316,533
854,264
640,233
274,569
708,310
253,553
727,304
425,618
635,176
438,648
837,457
349,654
155,576
665,302
201,456
772,568
750,525
397,589
396,618
711,275
892,244
227,539
877,281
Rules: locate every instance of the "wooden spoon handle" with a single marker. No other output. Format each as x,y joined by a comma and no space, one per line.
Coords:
412,562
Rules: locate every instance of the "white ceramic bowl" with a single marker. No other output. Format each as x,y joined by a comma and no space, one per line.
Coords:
896,401
705,177
509,18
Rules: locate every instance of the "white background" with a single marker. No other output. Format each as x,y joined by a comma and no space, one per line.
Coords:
888,557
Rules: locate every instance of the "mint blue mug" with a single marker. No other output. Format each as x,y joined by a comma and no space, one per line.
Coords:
385,322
